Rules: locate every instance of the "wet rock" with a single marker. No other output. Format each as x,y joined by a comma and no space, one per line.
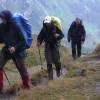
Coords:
42,77
98,87
77,72
83,72
97,49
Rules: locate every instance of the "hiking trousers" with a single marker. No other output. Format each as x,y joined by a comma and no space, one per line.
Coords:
76,48
5,56
52,56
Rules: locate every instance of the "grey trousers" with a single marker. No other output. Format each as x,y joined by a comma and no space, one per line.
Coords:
52,56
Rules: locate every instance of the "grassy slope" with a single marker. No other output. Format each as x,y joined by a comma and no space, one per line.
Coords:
72,87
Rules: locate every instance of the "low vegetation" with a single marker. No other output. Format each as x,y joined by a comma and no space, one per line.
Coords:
78,84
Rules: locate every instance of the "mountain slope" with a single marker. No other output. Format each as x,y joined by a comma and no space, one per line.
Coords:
66,10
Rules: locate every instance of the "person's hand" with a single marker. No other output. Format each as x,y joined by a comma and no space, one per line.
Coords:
83,40
12,50
56,35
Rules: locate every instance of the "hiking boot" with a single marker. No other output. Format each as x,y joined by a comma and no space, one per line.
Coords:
58,73
50,71
79,55
74,57
1,91
50,75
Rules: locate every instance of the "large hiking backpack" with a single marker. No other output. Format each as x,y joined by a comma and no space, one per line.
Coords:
25,27
56,21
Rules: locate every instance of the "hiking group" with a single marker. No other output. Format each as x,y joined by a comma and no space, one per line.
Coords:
15,34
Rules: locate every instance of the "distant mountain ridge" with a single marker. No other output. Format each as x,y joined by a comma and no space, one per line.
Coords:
66,10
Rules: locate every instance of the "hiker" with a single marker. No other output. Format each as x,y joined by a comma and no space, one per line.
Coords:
76,34
51,35
11,36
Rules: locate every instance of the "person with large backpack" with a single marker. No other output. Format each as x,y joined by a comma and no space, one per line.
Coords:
77,35
51,35
12,36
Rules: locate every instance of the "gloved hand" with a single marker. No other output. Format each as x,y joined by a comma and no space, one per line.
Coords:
12,50
83,39
56,35
68,40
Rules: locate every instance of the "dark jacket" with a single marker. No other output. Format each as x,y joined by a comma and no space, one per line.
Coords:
11,35
47,35
76,33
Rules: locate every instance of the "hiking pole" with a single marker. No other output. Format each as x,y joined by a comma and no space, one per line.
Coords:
7,78
40,57
61,62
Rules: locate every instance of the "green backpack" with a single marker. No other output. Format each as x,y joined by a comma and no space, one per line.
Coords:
56,21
